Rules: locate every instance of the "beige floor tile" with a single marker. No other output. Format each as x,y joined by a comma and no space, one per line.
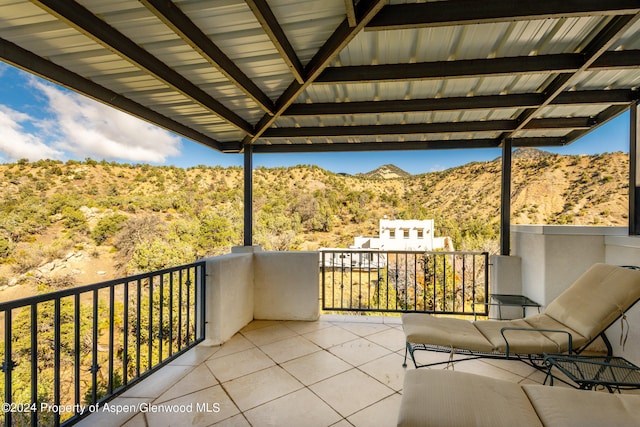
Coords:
301,408
342,423
359,351
238,364
196,355
201,408
481,368
236,421
260,387
391,338
236,344
118,412
269,334
289,348
515,366
388,370
380,414
198,379
258,324
328,337
137,421
351,391
316,367
302,327
363,329
159,382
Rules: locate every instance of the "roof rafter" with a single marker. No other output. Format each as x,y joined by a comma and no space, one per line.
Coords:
270,25
181,24
46,69
365,11
617,96
78,17
557,63
596,49
426,128
444,144
350,8
434,14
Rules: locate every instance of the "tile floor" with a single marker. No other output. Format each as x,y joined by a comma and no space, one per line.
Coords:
339,371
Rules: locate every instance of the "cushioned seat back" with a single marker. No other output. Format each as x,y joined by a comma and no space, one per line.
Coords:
596,299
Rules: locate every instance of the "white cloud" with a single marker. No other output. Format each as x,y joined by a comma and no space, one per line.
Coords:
86,128
16,142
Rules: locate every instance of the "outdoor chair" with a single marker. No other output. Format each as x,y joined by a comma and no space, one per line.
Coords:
569,324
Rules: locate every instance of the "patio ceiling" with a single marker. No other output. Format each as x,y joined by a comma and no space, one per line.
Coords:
340,75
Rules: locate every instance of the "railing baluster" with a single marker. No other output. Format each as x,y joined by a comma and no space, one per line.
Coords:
150,329
112,304
76,349
34,362
441,282
7,367
125,335
56,359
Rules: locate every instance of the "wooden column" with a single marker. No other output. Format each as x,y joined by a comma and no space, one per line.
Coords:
634,170
505,199
248,195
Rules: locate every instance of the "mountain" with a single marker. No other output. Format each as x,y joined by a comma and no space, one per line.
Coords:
386,172
66,224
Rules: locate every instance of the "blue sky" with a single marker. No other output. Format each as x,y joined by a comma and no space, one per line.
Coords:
39,120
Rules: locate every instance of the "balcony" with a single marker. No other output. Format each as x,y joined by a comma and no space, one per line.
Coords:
292,364
336,371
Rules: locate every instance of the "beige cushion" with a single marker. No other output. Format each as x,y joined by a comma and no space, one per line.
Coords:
446,399
596,299
544,321
520,342
566,407
445,332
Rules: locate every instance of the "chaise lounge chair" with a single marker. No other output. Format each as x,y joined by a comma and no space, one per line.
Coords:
569,324
439,398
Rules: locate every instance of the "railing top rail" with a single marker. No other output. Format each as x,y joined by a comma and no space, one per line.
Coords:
400,251
51,296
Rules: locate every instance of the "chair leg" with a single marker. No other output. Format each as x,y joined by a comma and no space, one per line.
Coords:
406,350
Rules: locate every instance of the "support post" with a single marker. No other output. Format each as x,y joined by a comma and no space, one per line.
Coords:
634,170
505,199
248,195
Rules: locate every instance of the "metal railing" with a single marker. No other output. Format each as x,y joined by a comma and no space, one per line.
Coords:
67,352
454,283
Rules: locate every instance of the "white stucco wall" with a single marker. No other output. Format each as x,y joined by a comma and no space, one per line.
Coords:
553,257
229,294
286,286
625,250
251,284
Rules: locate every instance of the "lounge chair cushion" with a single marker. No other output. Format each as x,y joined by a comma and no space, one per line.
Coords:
436,397
445,332
529,342
566,407
596,299
441,398
522,342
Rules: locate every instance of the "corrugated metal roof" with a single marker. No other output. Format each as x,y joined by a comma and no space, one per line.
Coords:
232,72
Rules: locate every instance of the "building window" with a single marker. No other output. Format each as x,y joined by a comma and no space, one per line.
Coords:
392,233
420,233
405,233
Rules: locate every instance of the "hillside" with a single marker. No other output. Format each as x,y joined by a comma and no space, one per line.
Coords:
66,224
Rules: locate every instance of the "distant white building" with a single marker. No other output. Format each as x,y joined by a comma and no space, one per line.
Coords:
404,235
